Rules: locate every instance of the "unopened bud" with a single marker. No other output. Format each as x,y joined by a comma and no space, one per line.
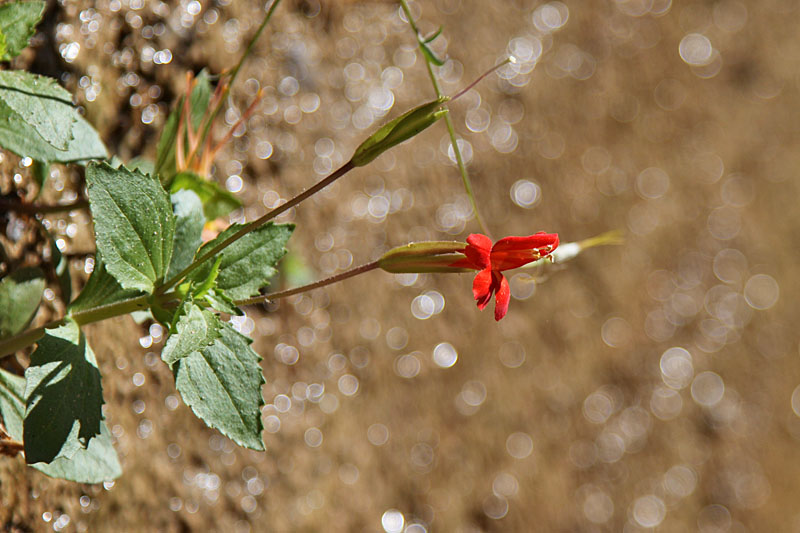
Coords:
398,130
424,257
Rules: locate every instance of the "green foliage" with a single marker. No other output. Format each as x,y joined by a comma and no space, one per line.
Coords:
20,294
189,221
195,329
101,289
42,103
17,23
430,57
94,464
198,105
222,383
134,225
249,263
217,201
63,396
398,130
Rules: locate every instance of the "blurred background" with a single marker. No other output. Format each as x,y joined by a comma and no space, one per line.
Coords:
649,385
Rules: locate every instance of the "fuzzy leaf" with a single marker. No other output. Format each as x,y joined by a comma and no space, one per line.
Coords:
195,329
42,103
94,464
217,201
134,225
23,139
20,294
63,396
249,263
17,23
189,221
222,384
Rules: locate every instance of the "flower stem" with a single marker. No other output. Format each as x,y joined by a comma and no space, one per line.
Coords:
311,286
32,209
462,168
341,171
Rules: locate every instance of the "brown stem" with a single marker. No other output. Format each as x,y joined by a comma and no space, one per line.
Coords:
33,209
311,286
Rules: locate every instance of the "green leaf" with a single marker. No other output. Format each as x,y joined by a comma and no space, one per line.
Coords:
21,138
198,104
217,201
42,103
63,396
430,57
134,225
101,289
398,130
222,384
94,464
20,294
249,263
221,303
189,221
17,23
195,329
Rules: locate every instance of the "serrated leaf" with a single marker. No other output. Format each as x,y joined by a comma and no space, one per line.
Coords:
249,263
20,294
195,329
21,138
222,384
17,23
217,201
94,464
134,225
189,221
42,103
63,396
101,289
198,104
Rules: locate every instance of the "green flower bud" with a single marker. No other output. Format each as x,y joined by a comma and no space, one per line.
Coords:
398,130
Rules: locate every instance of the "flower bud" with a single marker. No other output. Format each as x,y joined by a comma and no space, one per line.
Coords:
398,130
423,257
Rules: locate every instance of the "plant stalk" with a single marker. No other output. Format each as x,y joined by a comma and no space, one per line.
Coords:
341,171
311,286
462,168
95,314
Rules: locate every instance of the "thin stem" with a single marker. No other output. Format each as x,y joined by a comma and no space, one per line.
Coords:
344,169
238,67
311,286
462,168
33,209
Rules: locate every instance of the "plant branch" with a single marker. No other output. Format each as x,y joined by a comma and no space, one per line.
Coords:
33,209
87,316
341,171
311,286
462,168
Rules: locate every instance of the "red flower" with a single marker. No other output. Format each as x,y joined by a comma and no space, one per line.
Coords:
507,253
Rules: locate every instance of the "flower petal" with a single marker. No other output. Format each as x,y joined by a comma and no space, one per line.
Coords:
502,297
482,287
478,250
513,252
